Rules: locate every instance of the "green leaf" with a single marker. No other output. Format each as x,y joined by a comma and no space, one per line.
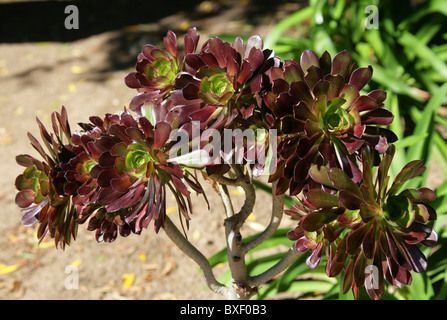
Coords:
288,201
292,20
414,45
426,123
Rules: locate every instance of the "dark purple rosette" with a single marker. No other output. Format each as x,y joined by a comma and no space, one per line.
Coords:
323,117
370,230
47,188
134,171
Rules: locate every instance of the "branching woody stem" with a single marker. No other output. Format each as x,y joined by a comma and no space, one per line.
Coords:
191,251
243,286
279,267
275,220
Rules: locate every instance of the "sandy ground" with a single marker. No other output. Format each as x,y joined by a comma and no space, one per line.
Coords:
86,76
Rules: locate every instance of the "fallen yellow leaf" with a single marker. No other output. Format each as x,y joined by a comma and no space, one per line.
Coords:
142,256
4,269
128,279
170,210
238,191
72,88
4,72
196,235
76,69
251,217
76,263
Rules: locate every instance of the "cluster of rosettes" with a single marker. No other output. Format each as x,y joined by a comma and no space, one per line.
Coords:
330,138
323,118
114,172
372,226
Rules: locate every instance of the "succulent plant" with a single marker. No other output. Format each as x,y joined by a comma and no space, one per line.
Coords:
323,117
133,171
370,224
311,118
157,70
42,185
222,81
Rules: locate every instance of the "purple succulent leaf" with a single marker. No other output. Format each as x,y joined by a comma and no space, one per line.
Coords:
349,276
191,41
365,103
105,143
238,45
355,238
247,111
350,94
360,77
180,185
320,175
316,220
161,134
336,85
290,125
352,143
325,62
416,258
106,160
342,181
25,160
314,259
105,176
37,146
359,270
254,42
313,76
24,198
320,90
301,92
302,112
322,200
380,116
341,63
308,58
255,58
368,212
419,195
122,183
292,73
369,242
170,42
349,200
132,81
397,253
279,86
378,95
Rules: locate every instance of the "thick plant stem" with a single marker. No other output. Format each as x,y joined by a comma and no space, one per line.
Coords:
275,220
236,255
279,267
243,286
186,247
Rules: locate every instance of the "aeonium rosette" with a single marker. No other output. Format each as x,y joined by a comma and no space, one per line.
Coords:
48,189
134,171
157,70
221,82
367,226
323,117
